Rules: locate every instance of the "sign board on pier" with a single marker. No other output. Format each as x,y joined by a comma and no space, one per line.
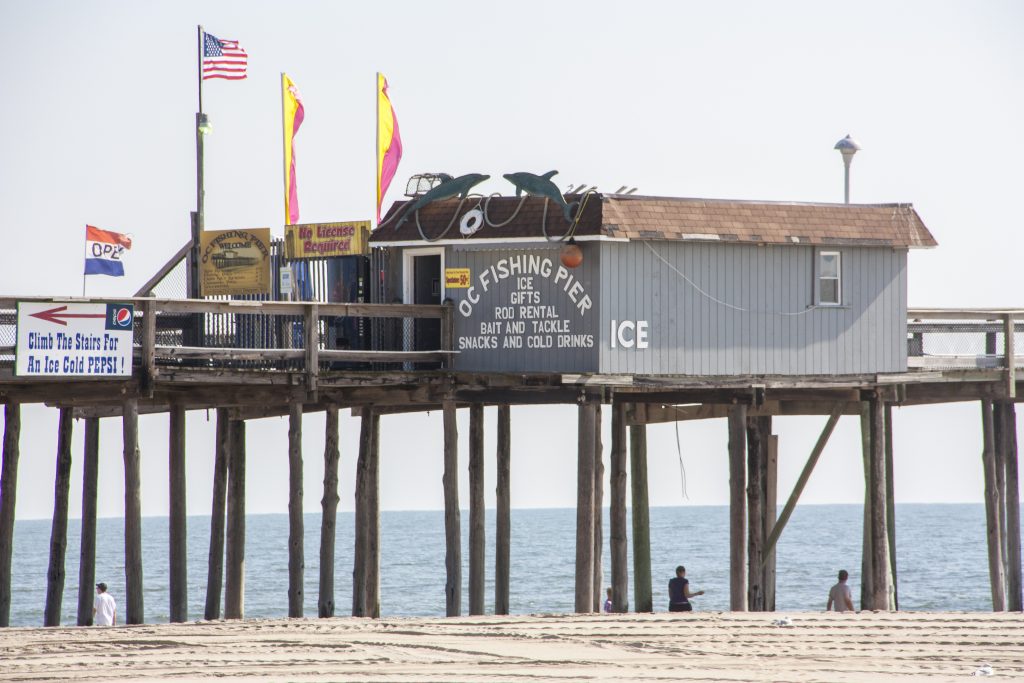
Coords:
74,340
235,261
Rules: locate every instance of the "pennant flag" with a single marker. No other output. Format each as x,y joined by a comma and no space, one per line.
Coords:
389,142
105,251
223,59
293,115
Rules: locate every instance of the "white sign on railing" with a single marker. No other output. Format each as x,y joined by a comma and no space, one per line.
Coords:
78,340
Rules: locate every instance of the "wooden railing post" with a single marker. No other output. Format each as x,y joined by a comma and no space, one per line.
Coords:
311,329
148,347
448,332
1008,345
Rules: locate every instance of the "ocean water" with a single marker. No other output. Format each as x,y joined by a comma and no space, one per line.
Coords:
941,560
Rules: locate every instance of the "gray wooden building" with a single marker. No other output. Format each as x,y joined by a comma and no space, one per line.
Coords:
666,286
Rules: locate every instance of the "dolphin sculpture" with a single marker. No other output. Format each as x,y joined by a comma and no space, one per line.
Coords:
449,187
540,186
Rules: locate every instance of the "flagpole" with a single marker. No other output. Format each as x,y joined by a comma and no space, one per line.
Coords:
198,219
284,149
376,146
85,245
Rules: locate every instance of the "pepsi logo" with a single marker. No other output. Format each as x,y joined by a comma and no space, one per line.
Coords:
123,317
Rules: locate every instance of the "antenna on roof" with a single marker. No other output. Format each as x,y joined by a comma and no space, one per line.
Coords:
847,147
620,190
631,190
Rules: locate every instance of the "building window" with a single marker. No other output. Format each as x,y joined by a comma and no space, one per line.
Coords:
830,278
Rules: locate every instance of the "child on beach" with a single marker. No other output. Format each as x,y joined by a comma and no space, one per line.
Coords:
608,600
679,592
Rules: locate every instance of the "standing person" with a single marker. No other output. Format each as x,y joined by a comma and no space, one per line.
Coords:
104,613
839,597
608,600
679,592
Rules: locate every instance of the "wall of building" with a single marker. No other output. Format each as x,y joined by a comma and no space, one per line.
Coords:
748,310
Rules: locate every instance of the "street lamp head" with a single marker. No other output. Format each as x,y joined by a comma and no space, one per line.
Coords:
847,147
204,125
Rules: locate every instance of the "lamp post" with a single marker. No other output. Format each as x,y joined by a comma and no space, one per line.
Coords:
847,147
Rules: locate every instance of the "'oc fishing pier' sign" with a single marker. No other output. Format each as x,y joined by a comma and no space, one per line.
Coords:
74,340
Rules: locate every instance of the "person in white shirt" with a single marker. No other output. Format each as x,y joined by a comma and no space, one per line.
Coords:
839,598
104,612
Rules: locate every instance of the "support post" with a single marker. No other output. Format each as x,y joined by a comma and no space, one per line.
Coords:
59,529
771,479
329,512
8,494
361,539
998,441
311,328
503,514
879,536
1010,356
737,508
867,576
178,553
617,511
890,507
234,574
134,611
215,571
372,600
641,519
585,507
296,527
996,573
452,523
87,553
476,509
1014,599
756,455
598,511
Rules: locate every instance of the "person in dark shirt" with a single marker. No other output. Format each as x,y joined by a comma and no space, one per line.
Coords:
679,592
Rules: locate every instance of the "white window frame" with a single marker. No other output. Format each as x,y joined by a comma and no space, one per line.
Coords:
408,282
838,277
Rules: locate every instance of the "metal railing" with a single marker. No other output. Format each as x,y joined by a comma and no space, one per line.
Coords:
306,337
965,339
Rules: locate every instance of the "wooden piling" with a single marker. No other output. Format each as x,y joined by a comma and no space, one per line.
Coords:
585,507
890,506
598,580
452,522
476,509
998,444
867,575
879,537
617,510
1014,599
8,494
59,528
771,479
178,553
756,458
503,513
215,563
296,527
372,583
996,572
737,508
134,609
361,538
87,549
234,563
641,518
329,513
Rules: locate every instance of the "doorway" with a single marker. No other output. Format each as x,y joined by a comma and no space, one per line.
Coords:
424,285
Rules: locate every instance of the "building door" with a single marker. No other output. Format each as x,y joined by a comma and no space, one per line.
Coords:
426,288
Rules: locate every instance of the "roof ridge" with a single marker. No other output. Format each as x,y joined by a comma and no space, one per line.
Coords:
775,202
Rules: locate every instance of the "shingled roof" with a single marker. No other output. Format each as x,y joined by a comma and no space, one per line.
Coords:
671,218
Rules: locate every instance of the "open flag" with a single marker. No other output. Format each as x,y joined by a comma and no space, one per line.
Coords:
293,114
105,251
389,142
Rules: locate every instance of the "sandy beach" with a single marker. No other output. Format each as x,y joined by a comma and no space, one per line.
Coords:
701,646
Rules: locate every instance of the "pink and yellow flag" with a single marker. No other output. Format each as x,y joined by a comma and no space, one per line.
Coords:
389,142
293,114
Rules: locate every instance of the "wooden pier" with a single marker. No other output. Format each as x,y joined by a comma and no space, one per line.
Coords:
273,378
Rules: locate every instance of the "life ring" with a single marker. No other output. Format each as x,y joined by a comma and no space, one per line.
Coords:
471,221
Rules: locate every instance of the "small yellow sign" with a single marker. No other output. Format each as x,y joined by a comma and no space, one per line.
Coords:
456,278
318,240
234,261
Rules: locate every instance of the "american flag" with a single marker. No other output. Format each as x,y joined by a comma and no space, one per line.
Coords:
223,59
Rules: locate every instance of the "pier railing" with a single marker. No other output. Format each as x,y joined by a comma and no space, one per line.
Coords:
305,337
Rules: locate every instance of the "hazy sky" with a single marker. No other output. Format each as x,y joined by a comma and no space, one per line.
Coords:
735,100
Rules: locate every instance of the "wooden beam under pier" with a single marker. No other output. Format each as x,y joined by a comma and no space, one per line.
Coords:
503,513
373,519
737,508
641,519
618,547
476,509
234,562
882,580
296,527
452,525
215,567
329,513
996,566
134,610
598,581
59,529
758,431
8,494
1014,598
890,505
87,548
584,592
178,536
